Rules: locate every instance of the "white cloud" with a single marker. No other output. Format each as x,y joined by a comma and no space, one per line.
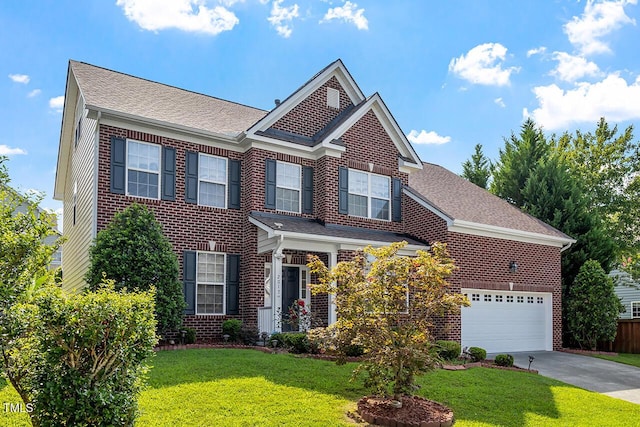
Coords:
20,78
185,15
5,150
597,20
571,68
424,137
281,17
57,103
348,13
611,98
34,93
499,102
483,65
537,51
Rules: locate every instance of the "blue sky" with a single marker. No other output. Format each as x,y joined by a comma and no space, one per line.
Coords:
453,73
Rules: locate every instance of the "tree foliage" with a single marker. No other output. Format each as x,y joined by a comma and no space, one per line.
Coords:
517,160
386,306
478,168
608,163
593,307
133,251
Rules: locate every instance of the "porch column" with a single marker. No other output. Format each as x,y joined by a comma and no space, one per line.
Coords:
276,289
333,261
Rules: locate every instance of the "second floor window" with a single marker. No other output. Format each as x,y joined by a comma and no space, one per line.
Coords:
288,178
212,181
369,195
143,169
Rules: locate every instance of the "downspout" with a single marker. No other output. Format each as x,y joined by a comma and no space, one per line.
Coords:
565,247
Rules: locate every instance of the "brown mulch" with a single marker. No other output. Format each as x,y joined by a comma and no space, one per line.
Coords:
588,352
415,412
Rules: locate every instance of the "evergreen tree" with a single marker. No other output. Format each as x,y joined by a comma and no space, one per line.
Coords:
516,162
478,168
134,252
593,307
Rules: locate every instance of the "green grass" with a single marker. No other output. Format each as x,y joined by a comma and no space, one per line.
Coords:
626,358
246,388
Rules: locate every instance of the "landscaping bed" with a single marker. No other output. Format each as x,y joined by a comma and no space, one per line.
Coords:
414,412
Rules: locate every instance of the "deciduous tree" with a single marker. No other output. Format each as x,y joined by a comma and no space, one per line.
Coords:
386,303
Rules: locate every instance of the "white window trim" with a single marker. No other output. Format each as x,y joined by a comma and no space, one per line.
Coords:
127,168
299,189
632,304
369,196
225,183
224,284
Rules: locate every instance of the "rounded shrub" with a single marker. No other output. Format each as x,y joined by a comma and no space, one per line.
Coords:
448,350
504,360
190,336
233,328
477,354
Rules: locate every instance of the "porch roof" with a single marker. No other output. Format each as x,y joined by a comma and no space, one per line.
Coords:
299,227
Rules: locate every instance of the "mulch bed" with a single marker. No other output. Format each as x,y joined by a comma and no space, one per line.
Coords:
588,352
486,364
415,412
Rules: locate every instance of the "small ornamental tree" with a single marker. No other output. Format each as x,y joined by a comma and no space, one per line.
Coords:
135,254
386,306
593,307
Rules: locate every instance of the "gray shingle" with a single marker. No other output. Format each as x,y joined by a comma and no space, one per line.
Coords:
460,199
122,93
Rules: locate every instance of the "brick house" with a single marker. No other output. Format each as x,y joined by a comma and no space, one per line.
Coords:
245,194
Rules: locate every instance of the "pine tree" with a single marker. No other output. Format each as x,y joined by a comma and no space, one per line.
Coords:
478,168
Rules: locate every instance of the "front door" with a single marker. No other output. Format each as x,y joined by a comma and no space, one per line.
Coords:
290,293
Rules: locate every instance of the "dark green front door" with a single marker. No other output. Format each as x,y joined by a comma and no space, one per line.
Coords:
290,293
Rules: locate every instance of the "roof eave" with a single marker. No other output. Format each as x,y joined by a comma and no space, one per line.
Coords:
468,227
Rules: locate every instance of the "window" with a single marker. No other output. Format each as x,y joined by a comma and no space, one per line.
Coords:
635,309
369,195
498,298
529,300
143,169
487,298
303,284
475,297
75,200
212,181
288,187
520,299
210,277
509,298
540,300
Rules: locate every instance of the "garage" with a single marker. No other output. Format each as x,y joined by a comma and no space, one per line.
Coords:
504,321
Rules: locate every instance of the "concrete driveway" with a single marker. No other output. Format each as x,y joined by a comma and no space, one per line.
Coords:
610,378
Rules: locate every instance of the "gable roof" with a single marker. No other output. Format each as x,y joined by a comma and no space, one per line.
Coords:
465,206
122,94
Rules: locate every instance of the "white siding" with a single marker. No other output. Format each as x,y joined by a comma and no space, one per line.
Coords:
81,171
627,290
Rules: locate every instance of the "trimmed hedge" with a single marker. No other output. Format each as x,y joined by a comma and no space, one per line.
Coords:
448,350
295,342
477,354
504,360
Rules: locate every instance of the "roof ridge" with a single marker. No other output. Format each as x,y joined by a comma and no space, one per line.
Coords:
72,61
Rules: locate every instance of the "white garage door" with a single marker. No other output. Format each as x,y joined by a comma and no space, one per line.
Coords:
501,321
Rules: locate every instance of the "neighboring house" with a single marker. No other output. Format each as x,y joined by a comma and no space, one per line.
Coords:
245,195
628,290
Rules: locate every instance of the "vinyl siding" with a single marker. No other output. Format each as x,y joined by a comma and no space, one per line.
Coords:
627,290
79,235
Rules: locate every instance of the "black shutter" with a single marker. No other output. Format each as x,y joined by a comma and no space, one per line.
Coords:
168,173
189,283
270,184
191,178
118,164
307,190
234,184
396,200
343,190
233,284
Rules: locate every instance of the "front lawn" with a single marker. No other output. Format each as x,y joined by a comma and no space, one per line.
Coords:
626,358
247,387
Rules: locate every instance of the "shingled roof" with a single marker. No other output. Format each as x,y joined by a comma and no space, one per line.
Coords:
458,199
111,91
